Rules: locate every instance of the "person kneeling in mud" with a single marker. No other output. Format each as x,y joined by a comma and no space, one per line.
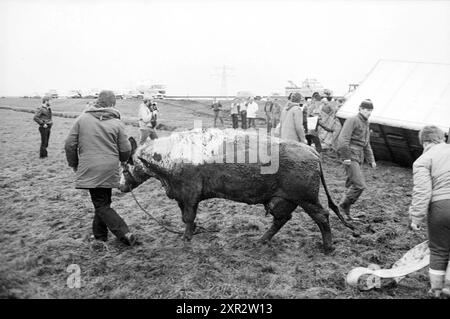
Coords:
95,145
431,198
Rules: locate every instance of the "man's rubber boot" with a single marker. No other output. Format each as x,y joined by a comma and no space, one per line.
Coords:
129,239
437,284
446,289
344,207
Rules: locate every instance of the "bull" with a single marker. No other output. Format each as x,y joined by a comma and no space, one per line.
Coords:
200,164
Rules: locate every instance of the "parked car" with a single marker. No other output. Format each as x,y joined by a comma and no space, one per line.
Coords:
74,94
133,95
92,94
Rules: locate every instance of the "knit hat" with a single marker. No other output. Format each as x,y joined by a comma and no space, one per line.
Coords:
46,99
431,134
106,99
366,104
296,97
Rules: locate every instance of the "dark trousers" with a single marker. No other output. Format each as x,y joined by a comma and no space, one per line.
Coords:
310,138
45,136
244,120
272,125
217,115
439,234
355,183
252,122
268,124
105,217
234,120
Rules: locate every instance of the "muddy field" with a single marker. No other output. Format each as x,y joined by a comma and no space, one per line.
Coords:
45,224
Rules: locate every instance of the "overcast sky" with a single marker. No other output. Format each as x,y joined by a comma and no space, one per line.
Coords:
120,44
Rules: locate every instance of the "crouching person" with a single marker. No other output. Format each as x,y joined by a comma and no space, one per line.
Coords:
94,147
431,198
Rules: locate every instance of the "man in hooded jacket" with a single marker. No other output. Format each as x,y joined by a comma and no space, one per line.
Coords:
94,147
292,120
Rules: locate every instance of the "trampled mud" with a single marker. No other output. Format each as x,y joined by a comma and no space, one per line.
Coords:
46,223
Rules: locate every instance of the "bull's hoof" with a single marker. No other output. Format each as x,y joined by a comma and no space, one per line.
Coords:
356,234
189,232
263,241
328,250
349,224
124,188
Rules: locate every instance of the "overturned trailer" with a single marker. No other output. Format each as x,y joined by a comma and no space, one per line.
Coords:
406,97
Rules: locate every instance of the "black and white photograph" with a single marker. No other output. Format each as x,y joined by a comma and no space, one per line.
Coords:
223,155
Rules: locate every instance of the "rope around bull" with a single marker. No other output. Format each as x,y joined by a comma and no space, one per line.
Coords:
198,229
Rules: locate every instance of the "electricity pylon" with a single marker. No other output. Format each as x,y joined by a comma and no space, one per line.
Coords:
223,74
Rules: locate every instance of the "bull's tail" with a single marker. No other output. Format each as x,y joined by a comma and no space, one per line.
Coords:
331,203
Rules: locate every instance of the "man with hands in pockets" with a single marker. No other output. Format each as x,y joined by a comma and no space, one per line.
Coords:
354,147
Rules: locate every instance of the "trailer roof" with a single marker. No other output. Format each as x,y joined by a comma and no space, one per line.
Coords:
405,94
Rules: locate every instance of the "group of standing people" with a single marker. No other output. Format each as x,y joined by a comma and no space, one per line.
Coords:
323,132
245,109
353,142
318,119
324,128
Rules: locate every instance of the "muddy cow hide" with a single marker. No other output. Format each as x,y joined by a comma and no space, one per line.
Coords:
237,165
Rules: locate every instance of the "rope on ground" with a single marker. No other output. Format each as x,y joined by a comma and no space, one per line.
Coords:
198,229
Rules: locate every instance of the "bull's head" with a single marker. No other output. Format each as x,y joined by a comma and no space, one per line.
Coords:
133,172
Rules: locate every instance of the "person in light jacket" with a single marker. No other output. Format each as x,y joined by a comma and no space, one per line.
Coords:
314,109
272,110
95,146
252,108
431,199
148,113
291,120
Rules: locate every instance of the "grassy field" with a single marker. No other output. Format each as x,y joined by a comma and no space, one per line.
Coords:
175,114
45,224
